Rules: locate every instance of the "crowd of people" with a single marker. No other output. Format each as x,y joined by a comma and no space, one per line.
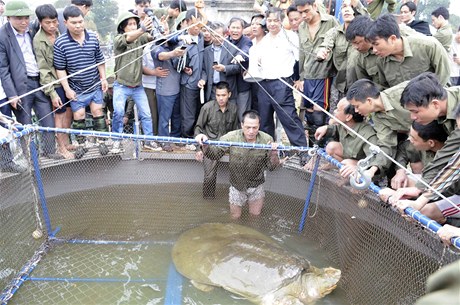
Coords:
395,80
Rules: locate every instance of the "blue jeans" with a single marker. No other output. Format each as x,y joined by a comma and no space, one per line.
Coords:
168,109
120,95
85,99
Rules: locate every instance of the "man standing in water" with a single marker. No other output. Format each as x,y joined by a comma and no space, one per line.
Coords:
247,166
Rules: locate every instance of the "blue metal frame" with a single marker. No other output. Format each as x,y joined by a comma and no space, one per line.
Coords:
309,194
41,190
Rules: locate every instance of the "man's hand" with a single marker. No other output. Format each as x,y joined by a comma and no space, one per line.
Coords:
201,138
71,95
201,83
347,170
447,232
219,68
320,132
407,192
199,156
160,72
188,71
187,39
237,59
400,179
179,52
322,54
298,84
371,172
56,101
14,101
104,85
274,146
386,193
146,25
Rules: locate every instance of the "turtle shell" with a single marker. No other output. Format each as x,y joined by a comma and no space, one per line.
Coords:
236,258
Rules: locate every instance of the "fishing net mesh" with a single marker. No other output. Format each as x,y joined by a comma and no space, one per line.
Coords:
115,218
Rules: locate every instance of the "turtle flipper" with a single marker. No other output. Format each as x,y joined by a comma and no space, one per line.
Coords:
201,286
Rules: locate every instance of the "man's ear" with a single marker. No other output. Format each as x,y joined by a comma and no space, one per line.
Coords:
348,117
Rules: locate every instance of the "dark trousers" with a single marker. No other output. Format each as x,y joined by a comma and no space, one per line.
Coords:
189,110
210,177
281,100
152,98
41,105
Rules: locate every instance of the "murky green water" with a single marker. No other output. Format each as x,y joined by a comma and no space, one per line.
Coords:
150,217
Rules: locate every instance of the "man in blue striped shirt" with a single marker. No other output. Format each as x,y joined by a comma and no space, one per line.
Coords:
74,51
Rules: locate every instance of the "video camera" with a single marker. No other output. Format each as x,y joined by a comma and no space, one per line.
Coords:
158,29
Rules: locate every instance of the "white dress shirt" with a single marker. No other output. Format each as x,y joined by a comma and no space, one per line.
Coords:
277,54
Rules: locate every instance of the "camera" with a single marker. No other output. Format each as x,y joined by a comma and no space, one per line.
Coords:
158,29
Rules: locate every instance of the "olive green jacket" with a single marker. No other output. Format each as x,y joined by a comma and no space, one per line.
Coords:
421,54
309,67
364,65
213,122
452,144
353,146
444,36
128,68
375,7
246,166
44,54
387,124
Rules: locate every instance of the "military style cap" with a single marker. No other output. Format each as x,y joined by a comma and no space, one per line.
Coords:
124,16
17,9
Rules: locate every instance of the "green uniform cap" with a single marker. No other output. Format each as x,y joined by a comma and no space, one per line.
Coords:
125,16
17,9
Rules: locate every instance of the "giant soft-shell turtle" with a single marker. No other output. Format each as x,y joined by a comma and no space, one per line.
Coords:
248,263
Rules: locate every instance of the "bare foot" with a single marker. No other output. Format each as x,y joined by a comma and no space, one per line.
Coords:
67,154
71,147
326,166
341,182
310,165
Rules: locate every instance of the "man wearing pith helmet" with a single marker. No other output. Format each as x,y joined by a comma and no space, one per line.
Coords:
19,72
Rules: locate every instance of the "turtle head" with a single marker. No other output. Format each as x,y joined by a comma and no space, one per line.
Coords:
316,283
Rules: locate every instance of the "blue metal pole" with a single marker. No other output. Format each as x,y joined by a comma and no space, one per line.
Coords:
165,139
41,191
93,280
309,194
173,287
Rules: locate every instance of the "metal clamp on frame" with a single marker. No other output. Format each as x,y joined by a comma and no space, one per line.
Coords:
312,151
360,180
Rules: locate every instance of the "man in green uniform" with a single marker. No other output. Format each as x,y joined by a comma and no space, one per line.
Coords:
364,64
43,46
247,166
391,121
404,57
316,75
375,7
335,46
346,146
217,117
440,20
426,140
428,100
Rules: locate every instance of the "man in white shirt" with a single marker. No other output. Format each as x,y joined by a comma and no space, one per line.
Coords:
280,50
455,59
